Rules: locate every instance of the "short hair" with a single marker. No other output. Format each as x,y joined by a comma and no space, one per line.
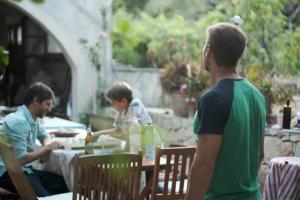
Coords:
227,43
119,91
39,91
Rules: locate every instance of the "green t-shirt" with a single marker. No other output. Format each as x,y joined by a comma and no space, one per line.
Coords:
235,109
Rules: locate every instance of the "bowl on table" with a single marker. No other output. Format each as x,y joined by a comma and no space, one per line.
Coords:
7,110
63,134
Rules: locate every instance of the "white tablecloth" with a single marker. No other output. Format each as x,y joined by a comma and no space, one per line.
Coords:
61,161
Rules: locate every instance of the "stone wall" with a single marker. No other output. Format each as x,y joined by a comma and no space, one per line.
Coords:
277,142
174,129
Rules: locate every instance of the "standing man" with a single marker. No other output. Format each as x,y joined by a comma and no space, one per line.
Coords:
22,129
230,124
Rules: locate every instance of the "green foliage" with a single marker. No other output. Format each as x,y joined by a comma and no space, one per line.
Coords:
4,56
35,1
288,51
271,37
147,41
188,78
129,38
161,38
93,51
83,118
132,6
38,1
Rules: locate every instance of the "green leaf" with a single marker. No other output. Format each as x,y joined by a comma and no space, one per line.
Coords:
5,59
124,26
4,56
38,1
35,1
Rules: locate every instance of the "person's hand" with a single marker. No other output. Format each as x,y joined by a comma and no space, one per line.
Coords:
53,145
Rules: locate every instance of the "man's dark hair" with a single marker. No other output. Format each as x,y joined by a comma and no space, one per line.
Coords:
227,43
119,91
39,91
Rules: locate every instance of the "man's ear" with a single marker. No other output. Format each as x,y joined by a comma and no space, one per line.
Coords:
35,101
207,50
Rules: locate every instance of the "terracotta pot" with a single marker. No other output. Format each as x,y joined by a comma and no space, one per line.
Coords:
179,104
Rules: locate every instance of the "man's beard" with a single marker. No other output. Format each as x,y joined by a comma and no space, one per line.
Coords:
206,65
40,114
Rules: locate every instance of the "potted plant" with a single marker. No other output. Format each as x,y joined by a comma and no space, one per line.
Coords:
275,90
184,82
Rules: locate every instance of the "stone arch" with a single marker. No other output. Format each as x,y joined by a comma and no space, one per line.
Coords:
70,50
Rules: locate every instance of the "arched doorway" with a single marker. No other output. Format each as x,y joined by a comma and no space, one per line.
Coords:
34,56
82,84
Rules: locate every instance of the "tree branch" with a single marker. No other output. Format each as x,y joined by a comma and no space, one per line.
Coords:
294,14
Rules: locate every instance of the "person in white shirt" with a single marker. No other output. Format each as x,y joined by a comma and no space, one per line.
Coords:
129,111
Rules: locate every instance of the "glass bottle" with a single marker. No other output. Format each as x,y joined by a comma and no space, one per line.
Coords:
148,141
286,122
134,136
89,144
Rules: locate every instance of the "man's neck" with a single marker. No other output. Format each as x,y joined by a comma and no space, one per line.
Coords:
31,110
222,73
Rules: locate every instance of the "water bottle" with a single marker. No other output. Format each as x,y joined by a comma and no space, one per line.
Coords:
148,142
134,136
89,144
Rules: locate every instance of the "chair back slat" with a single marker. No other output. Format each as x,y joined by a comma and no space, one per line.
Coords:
184,171
167,173
174,174
109,176
178,162
15,172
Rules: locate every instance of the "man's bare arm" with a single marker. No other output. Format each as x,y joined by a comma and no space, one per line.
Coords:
39,152
114,132
262,151
203,165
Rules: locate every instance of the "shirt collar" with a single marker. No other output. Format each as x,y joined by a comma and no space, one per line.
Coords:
27,114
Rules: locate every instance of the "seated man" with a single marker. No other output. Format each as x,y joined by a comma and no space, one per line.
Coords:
22,129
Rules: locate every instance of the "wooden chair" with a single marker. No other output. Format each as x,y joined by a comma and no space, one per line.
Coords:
108,177
17,176
7,195
173,184
15,172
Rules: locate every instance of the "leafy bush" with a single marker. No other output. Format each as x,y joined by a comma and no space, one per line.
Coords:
188,78
159,41
148,41
129,38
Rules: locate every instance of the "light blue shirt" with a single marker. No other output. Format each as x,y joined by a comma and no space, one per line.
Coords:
136,113
22,132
